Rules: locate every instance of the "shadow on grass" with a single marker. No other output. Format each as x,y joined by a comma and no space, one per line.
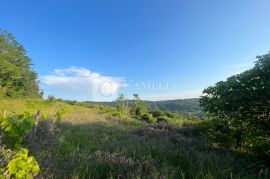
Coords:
131,149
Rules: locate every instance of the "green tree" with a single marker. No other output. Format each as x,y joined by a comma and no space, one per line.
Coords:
122,103
243,100
138,107
17,77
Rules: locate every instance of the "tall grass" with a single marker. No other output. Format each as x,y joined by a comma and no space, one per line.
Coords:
92,142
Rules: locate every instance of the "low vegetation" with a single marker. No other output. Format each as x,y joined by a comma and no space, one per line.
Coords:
102,142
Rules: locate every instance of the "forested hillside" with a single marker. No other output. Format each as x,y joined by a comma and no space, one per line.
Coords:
185,106
17,77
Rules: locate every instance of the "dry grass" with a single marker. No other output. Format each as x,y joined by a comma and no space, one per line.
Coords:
83,116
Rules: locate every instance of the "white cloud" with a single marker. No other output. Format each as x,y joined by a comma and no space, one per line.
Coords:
79,81
172,96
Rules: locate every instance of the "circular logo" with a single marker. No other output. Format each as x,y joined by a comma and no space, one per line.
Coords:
107,89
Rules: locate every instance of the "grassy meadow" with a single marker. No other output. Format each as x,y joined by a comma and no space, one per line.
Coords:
92,142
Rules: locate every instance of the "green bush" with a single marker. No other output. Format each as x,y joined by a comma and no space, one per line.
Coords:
16,163
138,107
148,117
218,130
51,99
242,101
157,113
117,114
44,116
22,165
14,128
170,115
163,119
60,114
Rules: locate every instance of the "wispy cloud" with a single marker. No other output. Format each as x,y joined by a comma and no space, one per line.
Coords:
172,96
81,81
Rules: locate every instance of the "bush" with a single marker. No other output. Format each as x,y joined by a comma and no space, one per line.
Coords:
15,127
16,163
170,114
51,99
138,107
163,119
22,165
44,116
157,113
243,101
148,117
218,130
117,114
60,114
139,111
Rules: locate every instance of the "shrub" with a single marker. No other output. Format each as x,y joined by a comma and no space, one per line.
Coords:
22,165
157,113
116,114
16,163
15,127
163,119
139,111
60,114
138,107
44,116
243,101
218,130
148,117
51,99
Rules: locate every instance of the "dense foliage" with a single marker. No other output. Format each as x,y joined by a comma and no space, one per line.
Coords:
241,108
17,78
22,165
15,161
14,128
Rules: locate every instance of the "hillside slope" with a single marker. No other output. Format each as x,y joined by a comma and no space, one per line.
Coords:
186,106
91,143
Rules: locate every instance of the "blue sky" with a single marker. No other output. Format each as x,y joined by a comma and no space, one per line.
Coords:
96,49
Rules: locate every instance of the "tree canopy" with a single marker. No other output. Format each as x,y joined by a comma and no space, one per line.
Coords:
243,100
17,77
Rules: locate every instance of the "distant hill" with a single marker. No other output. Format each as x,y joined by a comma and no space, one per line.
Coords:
186,106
